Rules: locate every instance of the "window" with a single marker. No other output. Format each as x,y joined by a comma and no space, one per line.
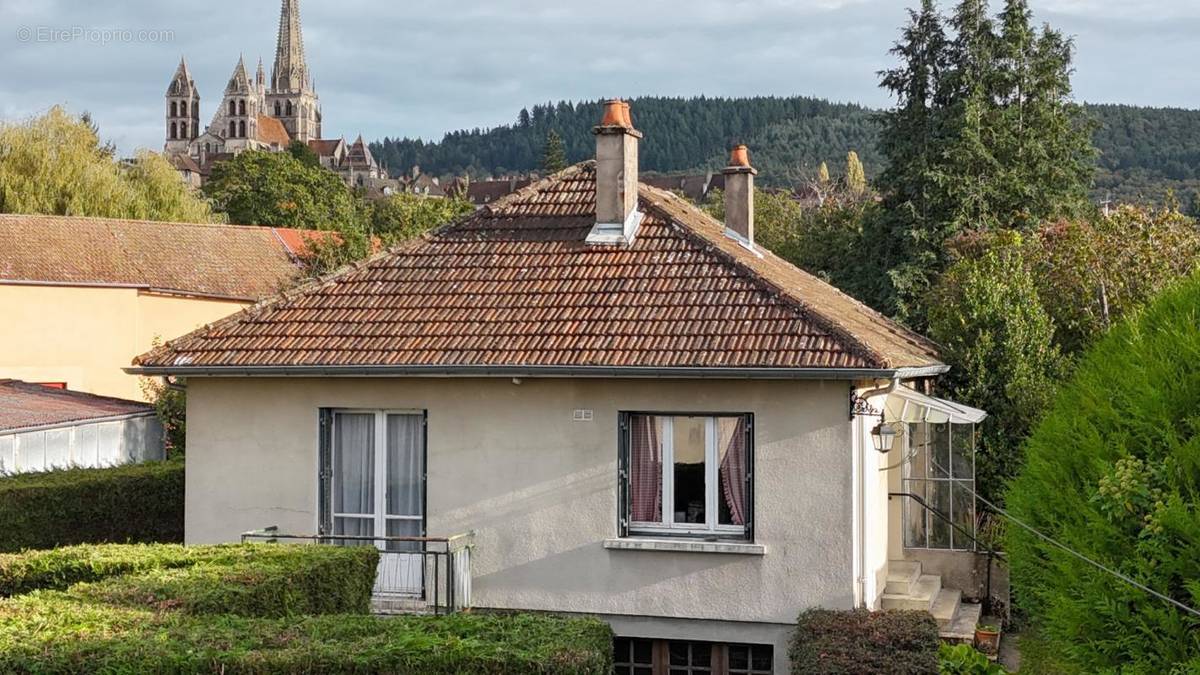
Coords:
941,471
634,656
242,107
195,109
174,133
242,128
232,129
686,474
289,108
174,109
232,107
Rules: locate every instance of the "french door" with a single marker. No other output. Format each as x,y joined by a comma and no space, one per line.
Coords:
377,475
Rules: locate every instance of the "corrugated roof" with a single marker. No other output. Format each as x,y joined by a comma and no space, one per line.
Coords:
216,260
24,405
515,284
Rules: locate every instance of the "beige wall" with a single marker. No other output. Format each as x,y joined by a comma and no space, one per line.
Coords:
85,336
540,490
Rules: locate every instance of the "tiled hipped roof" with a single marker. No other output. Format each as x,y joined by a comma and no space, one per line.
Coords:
212,260
515,284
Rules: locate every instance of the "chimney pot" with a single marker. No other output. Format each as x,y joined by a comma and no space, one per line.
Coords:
740,156
615,114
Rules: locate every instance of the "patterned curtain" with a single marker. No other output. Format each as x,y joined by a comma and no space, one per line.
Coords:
733,472
646,470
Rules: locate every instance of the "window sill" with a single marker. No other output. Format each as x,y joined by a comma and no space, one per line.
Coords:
683,546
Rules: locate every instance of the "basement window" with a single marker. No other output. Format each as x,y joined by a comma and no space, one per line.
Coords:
686,474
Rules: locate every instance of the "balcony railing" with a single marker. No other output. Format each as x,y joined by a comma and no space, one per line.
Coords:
415,574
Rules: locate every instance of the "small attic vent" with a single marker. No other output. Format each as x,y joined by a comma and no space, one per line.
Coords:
582,416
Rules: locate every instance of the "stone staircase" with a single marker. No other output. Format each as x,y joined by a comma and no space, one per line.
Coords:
908,588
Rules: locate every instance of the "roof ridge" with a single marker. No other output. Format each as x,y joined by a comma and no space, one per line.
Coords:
537,186
140,221
828,323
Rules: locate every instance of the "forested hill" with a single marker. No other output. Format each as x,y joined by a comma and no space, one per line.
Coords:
786,135
1144,151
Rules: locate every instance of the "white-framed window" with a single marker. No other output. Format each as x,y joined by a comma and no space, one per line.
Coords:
686,474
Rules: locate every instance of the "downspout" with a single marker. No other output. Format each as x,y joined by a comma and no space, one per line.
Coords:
860,450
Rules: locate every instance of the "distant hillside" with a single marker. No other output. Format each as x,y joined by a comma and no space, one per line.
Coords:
1144,151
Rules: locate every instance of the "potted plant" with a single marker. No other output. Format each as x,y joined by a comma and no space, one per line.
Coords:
987,639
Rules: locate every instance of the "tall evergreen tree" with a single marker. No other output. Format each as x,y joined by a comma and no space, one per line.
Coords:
554,155
856,176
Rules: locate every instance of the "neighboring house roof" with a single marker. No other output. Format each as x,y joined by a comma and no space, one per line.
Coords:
272,131
426,185
694,187
185,163
232,261
488,191
515,285
328,147
25,405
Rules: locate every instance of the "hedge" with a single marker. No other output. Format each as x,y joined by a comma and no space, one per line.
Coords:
829,642
73,637
264,608
1113,472
132,503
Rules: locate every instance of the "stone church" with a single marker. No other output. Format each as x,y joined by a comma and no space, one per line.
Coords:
257,114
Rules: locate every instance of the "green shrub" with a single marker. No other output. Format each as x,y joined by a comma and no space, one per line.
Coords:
1113,471
133,503
274,581
860,642
48,632
966,660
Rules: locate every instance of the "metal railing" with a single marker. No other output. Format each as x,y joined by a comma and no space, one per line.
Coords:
415,574
992,554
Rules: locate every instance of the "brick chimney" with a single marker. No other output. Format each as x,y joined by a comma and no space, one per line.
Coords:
617,217
739,196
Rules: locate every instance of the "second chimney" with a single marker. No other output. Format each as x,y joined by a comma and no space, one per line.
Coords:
739,196
616,175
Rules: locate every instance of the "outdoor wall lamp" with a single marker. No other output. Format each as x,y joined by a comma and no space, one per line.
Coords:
883,436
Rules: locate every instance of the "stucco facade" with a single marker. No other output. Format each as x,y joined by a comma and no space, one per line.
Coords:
84,336
539,489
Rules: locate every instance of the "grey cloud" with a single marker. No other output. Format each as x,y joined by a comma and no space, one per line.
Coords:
420,68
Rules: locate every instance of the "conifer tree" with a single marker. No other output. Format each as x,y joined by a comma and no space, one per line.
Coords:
554,156
856,176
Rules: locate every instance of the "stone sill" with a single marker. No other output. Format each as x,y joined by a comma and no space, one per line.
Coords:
683,546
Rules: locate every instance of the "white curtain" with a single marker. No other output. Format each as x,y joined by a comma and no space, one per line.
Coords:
354,472
406,465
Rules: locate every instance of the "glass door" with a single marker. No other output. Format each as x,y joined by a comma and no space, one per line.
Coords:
380,492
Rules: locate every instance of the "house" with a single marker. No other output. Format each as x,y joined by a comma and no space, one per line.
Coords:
44,428
694,186
80,296
615,405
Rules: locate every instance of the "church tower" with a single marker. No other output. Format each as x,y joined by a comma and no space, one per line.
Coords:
236,119
291,97
183,111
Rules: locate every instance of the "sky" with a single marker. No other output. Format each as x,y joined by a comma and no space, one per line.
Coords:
419,68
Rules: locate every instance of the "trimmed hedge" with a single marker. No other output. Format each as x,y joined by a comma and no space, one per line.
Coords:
73,637
310,580
132,503
263,608
858,641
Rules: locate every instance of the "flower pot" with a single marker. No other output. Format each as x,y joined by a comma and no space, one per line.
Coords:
987,640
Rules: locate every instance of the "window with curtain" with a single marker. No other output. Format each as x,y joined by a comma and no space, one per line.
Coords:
686,474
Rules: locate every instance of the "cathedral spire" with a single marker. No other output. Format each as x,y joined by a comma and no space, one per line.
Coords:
290,72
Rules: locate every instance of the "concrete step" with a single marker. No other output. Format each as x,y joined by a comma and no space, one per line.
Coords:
945,607
902,576
962,628
923,594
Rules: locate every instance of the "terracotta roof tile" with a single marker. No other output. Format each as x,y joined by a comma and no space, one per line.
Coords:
515,284
271,130
24,405
218,260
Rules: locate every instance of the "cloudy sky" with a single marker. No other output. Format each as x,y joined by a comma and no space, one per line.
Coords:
420,68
